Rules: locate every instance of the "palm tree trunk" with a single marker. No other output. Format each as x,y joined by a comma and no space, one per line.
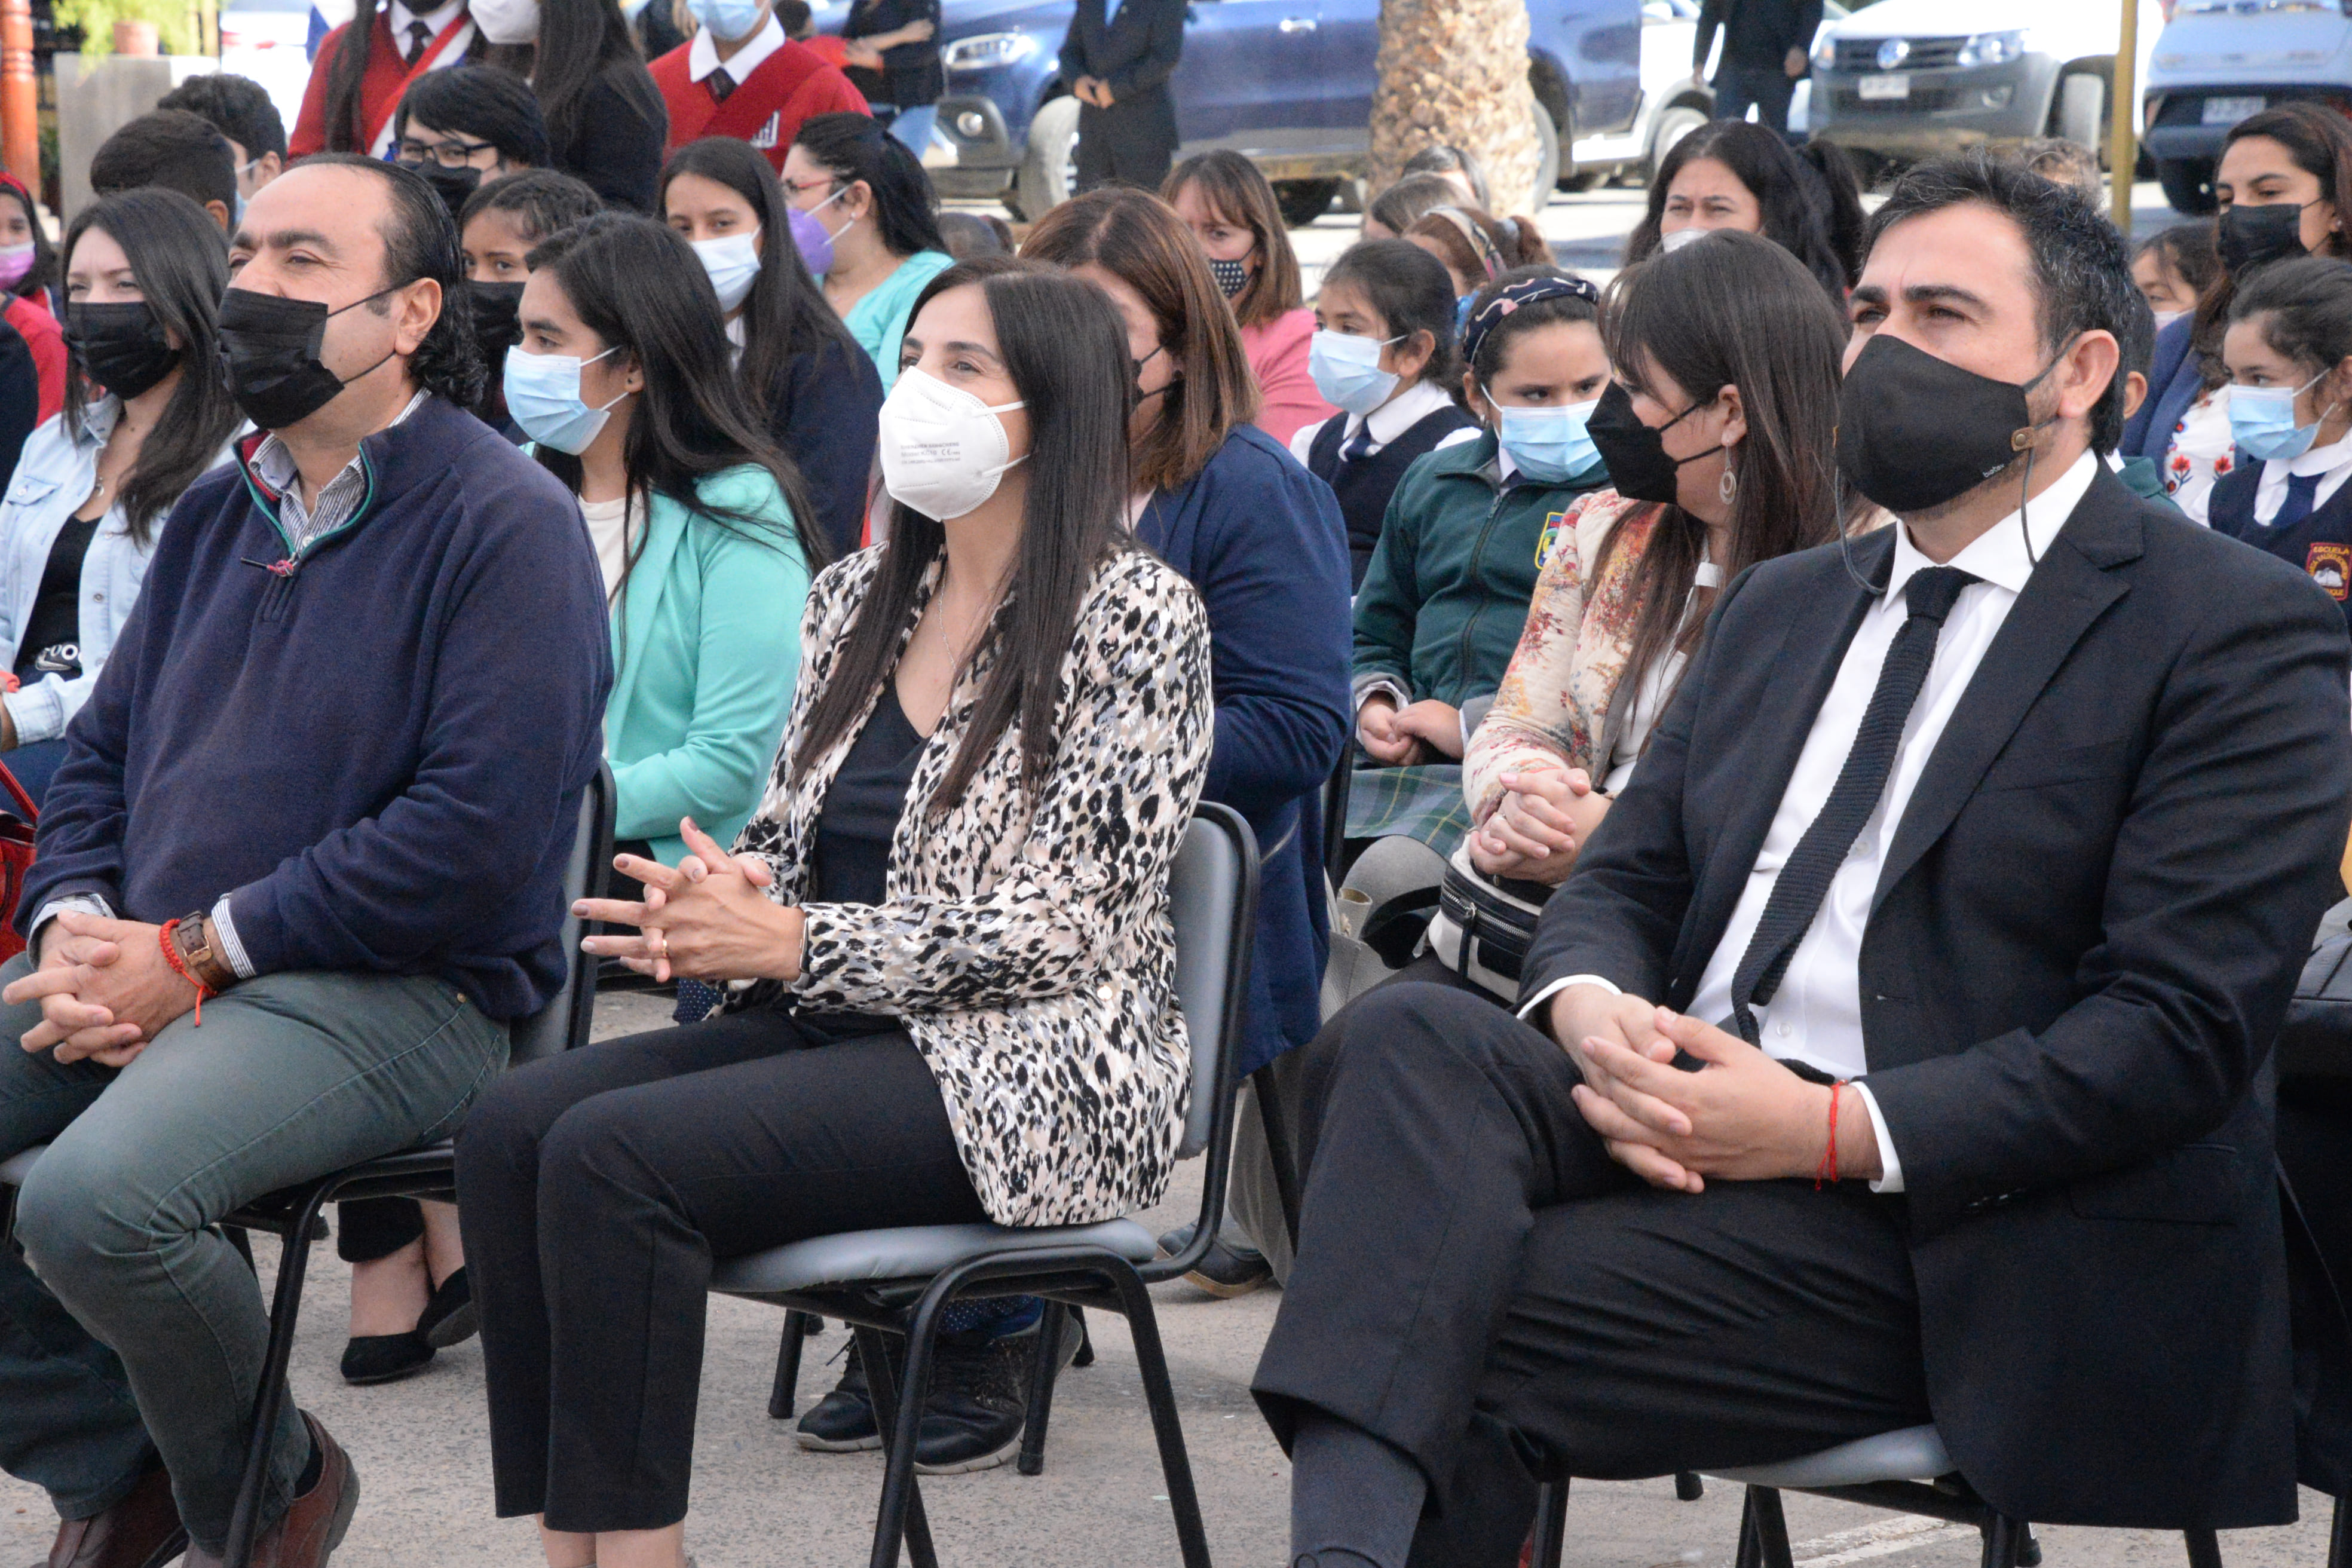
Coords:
1456,71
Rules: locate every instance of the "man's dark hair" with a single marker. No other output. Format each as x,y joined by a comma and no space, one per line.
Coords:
2080,264
546,201
481,103
235,106
172,149
420,240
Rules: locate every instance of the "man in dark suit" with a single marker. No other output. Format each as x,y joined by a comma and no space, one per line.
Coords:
1118,57
1908,1020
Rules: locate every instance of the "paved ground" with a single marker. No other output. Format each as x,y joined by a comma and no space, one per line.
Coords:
422,1449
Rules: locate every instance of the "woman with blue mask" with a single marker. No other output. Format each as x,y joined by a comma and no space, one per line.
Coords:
1440,607
1382,354
796,362
2288,348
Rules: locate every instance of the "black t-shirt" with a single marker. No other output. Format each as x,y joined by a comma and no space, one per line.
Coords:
854,830
52,641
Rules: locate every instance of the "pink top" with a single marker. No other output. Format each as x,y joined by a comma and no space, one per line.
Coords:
1287,401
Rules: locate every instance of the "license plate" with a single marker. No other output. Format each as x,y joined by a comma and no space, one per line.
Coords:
1884,87
2229,111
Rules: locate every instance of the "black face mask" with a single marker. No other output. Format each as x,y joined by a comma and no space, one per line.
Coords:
2247,237
1640,467
1915,431
121,346
452,185
495,328
269,348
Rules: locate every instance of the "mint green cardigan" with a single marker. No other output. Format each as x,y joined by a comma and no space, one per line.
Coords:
707,650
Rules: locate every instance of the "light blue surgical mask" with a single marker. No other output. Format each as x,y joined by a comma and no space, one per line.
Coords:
1549,445
729,19
2261,420
733,263
1347,371
543,396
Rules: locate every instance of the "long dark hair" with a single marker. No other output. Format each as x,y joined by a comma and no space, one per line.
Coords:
2320,143
1732,310
1802,213
345,108
181,262
854,147
1065,350
1237,193
637,285
1138,238
1412,292
580,43
785,315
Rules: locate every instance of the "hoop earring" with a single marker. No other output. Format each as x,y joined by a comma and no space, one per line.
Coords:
1727,487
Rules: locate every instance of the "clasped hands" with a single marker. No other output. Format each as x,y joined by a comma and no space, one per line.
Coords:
1534,833
1742,1117
705,919
1093,89
104,988
1393,737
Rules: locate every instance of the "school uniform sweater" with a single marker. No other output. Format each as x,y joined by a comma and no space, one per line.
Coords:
376,746
778,85
2305,519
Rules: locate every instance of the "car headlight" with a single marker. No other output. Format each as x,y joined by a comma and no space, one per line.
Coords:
985,51
1990,50
1825,54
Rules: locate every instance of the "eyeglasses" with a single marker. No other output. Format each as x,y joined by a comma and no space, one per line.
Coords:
798,188
448,155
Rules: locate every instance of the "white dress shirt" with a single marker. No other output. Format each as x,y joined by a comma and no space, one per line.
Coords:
1389,421
2333,460
702,54
1815,1017
440,17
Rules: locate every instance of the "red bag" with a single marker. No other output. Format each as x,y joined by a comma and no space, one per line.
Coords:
15,858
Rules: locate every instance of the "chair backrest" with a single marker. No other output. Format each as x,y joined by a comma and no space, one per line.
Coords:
564,1022
1212,903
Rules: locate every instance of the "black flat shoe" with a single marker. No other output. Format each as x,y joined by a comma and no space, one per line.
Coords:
384,1358
450,1317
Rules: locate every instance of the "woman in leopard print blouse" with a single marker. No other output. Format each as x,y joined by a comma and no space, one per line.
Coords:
952,910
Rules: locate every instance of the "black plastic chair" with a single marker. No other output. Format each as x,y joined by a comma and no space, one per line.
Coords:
429,1172
895,1284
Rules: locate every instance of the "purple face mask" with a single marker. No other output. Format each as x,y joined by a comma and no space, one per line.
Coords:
16,260
809,236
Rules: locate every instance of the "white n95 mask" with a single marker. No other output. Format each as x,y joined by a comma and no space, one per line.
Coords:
943,451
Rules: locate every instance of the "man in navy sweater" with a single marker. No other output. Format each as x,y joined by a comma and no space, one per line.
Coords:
300,866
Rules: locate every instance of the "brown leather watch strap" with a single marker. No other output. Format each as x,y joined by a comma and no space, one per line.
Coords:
200,952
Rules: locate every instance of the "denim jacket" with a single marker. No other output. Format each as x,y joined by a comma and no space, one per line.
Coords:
53,478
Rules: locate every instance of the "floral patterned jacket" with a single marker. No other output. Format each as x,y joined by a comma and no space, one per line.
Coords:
1026,942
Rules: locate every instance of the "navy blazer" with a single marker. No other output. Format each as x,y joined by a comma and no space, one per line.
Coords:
2173,378
1263,543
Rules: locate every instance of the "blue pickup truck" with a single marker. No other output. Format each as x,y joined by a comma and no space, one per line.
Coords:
1288,82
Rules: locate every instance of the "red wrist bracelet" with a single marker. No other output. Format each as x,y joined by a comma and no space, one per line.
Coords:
1827,1171
180,968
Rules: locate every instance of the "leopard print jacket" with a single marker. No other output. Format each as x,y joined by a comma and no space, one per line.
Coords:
1026,944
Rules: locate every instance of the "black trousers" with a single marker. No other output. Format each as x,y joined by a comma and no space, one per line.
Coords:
1767,87
1480,1285
1130,144
595,1189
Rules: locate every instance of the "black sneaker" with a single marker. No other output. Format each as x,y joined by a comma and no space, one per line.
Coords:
842,1421
1231,1266
979,1402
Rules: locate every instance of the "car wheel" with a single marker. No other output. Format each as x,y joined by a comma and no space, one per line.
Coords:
1049,161
1547,155
2082,103
1673,124
1304,201
2187,185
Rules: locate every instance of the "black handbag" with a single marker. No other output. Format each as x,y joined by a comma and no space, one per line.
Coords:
1484,925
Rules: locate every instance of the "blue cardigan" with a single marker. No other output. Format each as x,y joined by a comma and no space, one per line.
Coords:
376,749
1264,543
2173,378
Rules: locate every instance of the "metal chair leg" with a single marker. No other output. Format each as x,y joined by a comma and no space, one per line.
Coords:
1042,1372
2004,1541
2029,1549
270,1402
236,1235
2204,1548
1552,1524
1085,1356
788,1367
1771,1528
1688,1488
1746,1555
902,1511
1278,1148
1160,1393
2339,1537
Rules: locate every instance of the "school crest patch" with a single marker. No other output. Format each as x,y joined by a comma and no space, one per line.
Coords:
2330,566
1547,541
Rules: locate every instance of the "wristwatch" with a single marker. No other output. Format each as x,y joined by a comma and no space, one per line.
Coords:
194,937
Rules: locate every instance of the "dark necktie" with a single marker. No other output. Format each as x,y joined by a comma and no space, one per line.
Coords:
419,37
1805,879
1359,447
721,84
2300,489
